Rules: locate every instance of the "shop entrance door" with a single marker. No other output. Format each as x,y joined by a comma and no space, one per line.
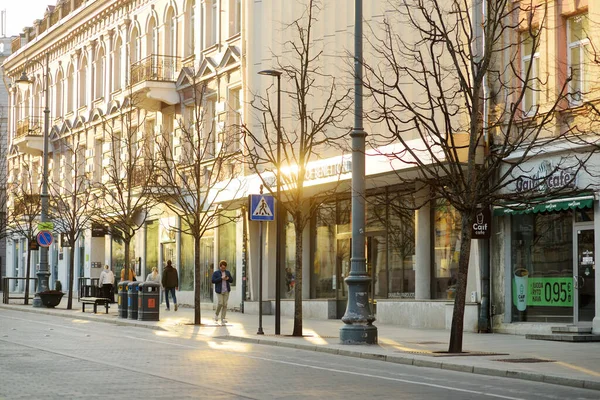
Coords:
584,275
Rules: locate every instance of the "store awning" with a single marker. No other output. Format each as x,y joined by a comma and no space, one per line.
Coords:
560,204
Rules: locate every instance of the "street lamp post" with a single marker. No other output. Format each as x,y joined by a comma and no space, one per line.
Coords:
279,220
358,320
43,273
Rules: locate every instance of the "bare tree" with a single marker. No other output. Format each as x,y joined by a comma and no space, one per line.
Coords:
71,199
194,174
124,193
446,79
313,126
23,214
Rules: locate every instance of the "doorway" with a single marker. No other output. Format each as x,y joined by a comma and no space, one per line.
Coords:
584,275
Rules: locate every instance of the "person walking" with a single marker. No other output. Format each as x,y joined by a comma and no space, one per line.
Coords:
153,276
130,276
222,279
106,283
170,281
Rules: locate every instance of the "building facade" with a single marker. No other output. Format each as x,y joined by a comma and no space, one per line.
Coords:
104,54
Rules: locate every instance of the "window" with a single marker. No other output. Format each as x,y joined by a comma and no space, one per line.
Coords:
83,82
134,49
192,28
172,33
151,38
117,65
59,94
578,42
530,64
227,241
70,88
100,74
235,17
209,129
213,26
447,250
235,112
541,256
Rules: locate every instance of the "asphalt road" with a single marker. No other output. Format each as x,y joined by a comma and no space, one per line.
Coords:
49,357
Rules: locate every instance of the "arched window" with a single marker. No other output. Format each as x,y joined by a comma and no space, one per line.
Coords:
151,39
37,100
70,88
191,31
116,73
134,46
171,33
58,100
83,82
99,69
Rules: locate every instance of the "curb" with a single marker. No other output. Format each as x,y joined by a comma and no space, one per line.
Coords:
418,362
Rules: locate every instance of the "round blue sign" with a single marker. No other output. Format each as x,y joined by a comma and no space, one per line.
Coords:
44,238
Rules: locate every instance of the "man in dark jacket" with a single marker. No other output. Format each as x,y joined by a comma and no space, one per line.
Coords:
170,282
221,279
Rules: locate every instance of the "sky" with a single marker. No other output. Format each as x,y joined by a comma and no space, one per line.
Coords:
22,13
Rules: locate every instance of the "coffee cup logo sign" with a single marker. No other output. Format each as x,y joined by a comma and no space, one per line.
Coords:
482,225
547,178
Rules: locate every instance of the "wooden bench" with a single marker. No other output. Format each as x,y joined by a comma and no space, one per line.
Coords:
95,301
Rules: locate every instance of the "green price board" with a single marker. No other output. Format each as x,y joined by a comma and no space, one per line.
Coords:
556,292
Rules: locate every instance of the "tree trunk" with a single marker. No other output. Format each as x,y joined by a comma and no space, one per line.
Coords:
458,314
71,277
298,283
126,246
27,272
197,282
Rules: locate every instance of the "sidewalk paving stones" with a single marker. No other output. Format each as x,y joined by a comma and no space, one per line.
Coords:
505,355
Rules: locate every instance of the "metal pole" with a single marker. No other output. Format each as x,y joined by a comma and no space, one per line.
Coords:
358,320
43,272
279,220
260,278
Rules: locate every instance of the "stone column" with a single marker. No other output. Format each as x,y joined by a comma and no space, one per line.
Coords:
423,249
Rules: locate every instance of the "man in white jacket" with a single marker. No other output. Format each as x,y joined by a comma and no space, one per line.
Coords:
106,283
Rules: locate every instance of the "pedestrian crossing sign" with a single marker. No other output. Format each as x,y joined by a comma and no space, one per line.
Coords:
262,207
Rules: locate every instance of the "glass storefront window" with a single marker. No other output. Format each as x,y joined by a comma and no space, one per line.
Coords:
118,257
290,258
325,252
389,247
542,267
401,249
447,250
227,242
151,246
186,266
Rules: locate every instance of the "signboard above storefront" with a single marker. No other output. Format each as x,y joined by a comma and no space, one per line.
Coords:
483,224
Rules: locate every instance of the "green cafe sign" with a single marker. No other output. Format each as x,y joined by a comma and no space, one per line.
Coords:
556,292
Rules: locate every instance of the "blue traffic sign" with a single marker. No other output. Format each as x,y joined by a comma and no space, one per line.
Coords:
44,238
262,207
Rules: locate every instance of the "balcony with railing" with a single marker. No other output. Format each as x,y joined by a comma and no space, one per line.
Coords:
30,135
152,81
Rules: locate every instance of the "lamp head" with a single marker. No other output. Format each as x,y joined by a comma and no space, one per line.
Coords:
270,72
23,82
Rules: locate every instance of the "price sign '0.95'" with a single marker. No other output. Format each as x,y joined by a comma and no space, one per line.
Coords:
556,292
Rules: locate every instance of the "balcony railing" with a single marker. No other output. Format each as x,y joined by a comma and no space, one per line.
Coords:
29,126
155,68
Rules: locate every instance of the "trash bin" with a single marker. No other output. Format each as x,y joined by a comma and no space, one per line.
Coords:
132,300
122,288
148,301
